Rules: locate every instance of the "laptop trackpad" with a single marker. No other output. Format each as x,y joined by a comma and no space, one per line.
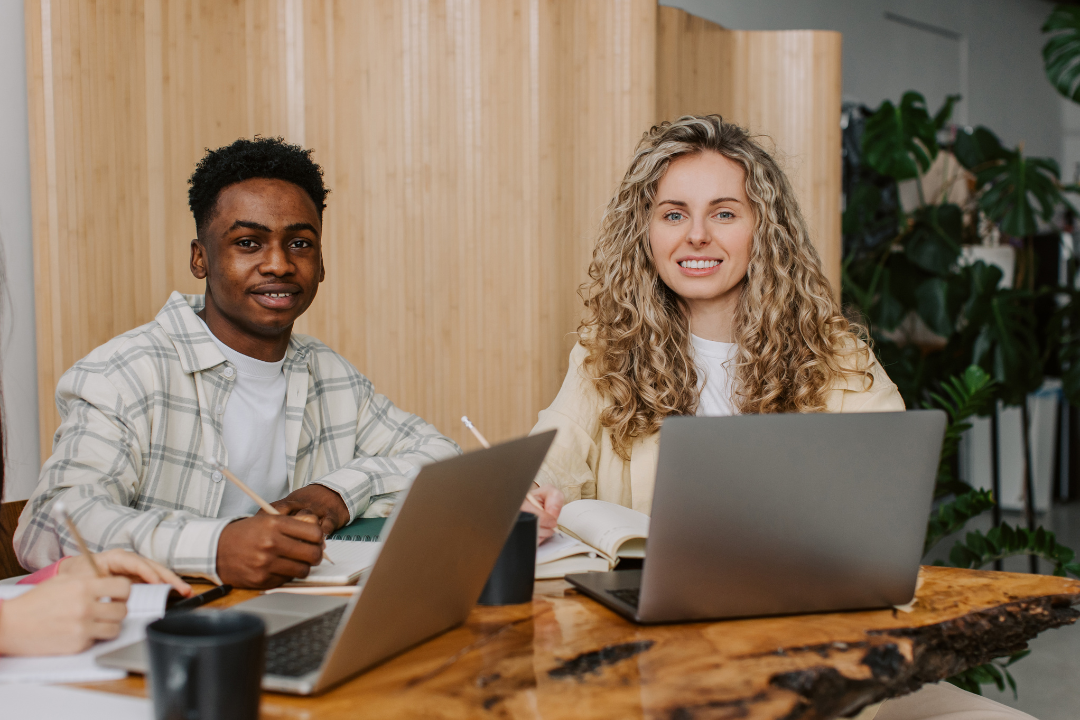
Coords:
282,610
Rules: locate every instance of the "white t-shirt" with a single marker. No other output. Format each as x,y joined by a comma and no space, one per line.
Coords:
713,360
253,429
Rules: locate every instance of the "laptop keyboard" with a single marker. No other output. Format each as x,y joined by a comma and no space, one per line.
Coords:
629,595
300,649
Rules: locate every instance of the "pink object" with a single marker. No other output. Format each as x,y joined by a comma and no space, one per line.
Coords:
43,574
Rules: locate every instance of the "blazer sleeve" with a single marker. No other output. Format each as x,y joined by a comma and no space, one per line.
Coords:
571,462
861,395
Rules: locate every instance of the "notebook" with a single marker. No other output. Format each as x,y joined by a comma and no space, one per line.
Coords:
145,604
352,560
362,529
593,536
29,701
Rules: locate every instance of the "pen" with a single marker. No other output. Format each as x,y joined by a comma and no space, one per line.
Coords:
62,509
201,599
267,507
483,441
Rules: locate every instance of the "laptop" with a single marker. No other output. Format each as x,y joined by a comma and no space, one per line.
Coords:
439,546
781,514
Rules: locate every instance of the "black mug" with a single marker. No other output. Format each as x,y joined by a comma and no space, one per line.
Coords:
206,665
511,582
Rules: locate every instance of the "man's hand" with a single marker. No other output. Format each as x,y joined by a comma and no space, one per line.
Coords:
552,500
318,500
267,550
64,615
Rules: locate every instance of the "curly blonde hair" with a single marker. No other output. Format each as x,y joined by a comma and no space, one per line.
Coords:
790,332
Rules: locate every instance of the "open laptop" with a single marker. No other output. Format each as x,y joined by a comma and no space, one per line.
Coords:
439,547
775,514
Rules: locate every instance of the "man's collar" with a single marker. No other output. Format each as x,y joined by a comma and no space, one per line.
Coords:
194,345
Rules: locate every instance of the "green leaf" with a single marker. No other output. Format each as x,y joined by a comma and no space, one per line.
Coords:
952,516
900,141
1061,54
978,148
945,112
934,241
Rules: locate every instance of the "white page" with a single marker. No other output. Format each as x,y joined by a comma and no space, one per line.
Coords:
351,559
603,524
43,701
145,604
559,546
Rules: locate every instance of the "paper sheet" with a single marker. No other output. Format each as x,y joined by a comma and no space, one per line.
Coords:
145,604
30,701
351,559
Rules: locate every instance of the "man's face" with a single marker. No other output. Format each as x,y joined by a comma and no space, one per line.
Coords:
261,257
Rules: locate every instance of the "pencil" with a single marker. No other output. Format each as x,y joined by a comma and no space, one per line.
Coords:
267,507
79,539
483,441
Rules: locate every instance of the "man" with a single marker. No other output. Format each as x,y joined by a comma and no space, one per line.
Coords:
221,378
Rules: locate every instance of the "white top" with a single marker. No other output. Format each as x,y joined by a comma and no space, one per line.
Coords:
253,429
714,377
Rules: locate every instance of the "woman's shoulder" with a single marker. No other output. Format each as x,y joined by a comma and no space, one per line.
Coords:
862,383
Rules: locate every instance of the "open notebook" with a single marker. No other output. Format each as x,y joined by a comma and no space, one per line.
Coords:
352,560
593,536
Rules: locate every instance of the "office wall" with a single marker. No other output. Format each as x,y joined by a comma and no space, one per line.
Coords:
470,148
18,358
989,51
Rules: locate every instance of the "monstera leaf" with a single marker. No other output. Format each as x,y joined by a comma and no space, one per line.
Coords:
934,241
1061,55
1014,189
901,141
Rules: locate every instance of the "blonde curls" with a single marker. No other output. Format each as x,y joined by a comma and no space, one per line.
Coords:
790,333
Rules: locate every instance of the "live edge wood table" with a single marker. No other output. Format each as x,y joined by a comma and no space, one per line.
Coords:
565,656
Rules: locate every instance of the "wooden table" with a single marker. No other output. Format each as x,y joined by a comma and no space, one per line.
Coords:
565,656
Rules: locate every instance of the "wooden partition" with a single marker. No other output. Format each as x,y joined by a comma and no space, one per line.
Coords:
470,145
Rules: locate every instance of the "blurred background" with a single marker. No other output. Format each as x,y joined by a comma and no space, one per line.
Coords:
471,146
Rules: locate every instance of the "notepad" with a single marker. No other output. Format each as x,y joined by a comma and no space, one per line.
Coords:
593,536
30,701
145,604
352,560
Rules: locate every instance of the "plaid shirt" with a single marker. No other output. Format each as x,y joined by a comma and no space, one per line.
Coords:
142,413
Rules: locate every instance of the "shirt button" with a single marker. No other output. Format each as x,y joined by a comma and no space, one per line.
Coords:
216,477
219,409
228,372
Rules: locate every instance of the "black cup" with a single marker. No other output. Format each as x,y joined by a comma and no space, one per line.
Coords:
511,582
206,665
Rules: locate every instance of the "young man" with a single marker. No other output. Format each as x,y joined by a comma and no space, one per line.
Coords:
222,378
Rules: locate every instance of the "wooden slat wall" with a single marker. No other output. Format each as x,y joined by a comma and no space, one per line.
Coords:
471,146
784,85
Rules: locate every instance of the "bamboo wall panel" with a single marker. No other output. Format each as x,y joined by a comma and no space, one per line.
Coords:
470,145
785,85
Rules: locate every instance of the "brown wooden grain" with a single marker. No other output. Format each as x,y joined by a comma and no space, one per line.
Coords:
564,656
9,520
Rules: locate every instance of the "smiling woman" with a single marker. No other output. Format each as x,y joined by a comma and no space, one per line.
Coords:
707,297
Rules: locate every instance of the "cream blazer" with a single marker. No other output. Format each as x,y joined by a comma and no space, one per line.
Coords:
582,461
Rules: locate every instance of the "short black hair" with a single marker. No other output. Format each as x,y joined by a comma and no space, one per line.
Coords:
245,159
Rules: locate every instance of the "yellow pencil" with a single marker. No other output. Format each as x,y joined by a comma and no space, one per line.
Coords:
267,507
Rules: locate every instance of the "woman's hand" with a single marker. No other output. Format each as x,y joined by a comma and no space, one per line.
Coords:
126,564
552,500
64,615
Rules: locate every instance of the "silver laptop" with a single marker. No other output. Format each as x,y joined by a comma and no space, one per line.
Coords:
774,514
439,547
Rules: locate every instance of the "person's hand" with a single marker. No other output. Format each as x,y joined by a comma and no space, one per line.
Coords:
318,500
265,551
126,564
63,615
552,500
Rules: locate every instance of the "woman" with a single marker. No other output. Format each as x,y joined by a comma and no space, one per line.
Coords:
707,297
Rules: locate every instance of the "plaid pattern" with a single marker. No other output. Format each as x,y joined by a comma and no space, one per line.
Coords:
142,413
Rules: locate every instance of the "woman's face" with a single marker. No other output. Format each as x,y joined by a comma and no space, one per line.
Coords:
701,231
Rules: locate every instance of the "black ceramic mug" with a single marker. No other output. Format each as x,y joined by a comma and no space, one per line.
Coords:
206,665
511,582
